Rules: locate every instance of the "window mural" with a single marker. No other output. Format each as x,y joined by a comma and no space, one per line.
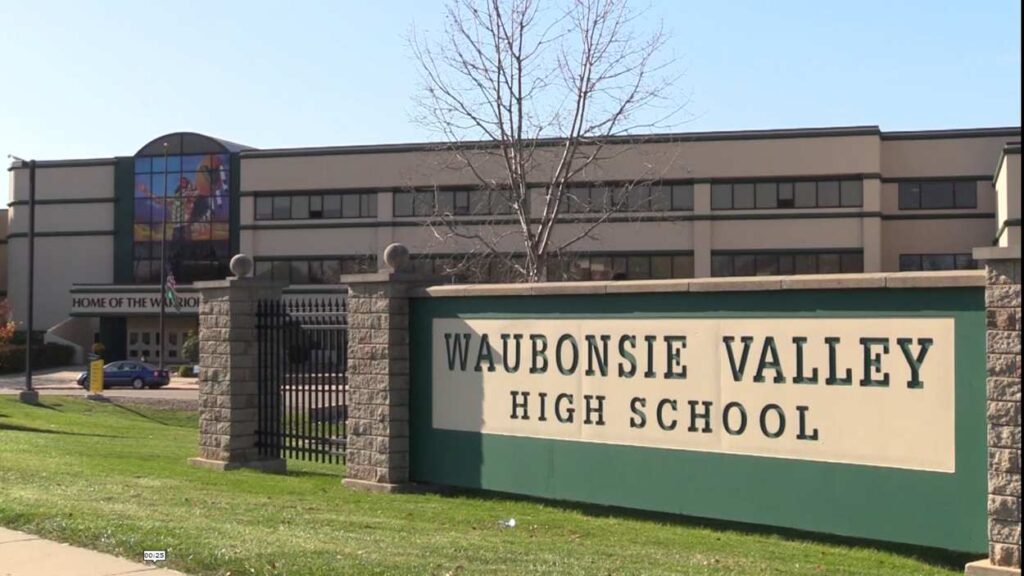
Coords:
183,201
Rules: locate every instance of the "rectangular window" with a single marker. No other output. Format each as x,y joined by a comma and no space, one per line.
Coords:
786,263
828,194
300,207
282,207
264,207
910,195
851,193
649,198
721,265
660,266
316,206
786,198
350,205
806,195
682,266
332,206
682,197
770,195
743,196
829,264
721,196
423,204
368,205
966,194
938,195
766,195
403,203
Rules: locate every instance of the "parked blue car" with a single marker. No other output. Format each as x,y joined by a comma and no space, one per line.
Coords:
128,373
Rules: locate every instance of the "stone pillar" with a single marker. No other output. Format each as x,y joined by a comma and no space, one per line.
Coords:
228,370
1003,341
377,453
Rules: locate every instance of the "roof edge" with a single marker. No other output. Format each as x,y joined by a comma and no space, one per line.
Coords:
952,133
670,137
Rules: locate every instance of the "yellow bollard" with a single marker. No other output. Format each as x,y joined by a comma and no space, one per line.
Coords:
96,378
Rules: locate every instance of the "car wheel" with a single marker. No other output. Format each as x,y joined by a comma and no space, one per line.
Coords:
138,384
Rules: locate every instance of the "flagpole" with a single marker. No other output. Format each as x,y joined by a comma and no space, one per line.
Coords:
163,263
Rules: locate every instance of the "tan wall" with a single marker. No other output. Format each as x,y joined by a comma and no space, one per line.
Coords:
718,159
65,182
931,237
1008,198
59,262
782,234
941,157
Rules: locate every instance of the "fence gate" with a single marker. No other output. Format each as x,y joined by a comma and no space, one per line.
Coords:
301,378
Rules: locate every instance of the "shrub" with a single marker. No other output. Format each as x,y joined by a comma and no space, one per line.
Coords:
49,355
190,348
6,324
185,370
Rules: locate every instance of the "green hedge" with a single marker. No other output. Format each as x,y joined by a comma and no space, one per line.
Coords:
49,355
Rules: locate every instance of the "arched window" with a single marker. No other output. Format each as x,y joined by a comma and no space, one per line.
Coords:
182,206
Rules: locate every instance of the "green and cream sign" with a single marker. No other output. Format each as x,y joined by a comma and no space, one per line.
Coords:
872,391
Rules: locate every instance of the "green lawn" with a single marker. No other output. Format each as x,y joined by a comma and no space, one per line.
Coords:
115,479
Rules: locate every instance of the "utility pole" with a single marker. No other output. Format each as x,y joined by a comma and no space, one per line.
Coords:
30,395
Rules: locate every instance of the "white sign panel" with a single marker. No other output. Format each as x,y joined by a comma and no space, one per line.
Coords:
873,391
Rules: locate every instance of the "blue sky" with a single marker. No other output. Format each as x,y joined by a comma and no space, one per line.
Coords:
93,79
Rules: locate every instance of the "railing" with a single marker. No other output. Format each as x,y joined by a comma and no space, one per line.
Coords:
301,380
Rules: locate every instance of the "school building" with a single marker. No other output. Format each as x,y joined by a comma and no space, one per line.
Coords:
766,202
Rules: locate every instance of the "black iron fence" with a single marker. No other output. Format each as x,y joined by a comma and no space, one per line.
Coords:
301,378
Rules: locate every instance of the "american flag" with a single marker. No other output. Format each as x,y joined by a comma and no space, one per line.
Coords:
172,293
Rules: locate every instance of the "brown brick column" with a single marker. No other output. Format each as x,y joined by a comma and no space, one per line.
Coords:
228,373
1003,342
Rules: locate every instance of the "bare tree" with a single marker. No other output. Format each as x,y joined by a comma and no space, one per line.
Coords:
528,97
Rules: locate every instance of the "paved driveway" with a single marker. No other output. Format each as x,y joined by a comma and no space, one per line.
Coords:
62,381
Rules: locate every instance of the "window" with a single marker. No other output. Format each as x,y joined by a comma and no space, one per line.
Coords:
743,196
313,270
851,193
300,207
771,195
938,194
183,201
786,263
767,195
620,266
282,207
927,262
264,207
828,194
316,206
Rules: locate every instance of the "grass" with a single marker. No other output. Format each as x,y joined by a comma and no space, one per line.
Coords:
115,479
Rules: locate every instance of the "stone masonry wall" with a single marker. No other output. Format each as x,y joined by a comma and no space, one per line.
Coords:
378,383
227,373
1002,297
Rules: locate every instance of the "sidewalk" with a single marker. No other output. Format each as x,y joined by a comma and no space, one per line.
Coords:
23,554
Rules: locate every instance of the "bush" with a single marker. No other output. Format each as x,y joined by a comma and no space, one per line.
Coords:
185,370
49,355
190,348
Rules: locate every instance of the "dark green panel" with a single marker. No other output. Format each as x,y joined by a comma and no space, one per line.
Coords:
888,504
124,219
114,336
